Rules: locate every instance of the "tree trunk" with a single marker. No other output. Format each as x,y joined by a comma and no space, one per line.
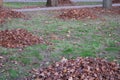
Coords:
58,2
107,4
51,3
1,3
48,3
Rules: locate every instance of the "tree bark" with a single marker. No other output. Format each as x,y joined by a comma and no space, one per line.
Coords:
58,2
1,3
107,4
51,3
48,3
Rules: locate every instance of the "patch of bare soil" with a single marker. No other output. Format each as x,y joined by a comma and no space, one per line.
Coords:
79,69
87,13
18,38
8,14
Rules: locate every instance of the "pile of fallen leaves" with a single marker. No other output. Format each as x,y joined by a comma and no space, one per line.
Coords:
116,1
18,38
80,69
87,13
113,10
77,14
8,14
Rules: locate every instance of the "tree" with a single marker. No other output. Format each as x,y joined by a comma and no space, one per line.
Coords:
107,4
58,2
1,3
48,3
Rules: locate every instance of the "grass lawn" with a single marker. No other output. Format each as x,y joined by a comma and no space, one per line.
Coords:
40,4
23,4
88,3
70,38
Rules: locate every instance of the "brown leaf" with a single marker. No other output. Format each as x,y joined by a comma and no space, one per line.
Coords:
18,38
81,69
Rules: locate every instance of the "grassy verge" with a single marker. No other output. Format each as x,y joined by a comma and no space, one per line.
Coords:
87,3
40,4
22,4
70,38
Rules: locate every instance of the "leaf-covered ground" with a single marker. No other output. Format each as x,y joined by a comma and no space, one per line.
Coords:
68,38
8,14
18,38
88,13
116,1
79,69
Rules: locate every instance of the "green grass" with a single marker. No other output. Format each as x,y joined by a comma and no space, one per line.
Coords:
13,73
26,4
22,4
88,3
90,38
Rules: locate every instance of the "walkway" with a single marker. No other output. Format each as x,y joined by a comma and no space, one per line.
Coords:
58,8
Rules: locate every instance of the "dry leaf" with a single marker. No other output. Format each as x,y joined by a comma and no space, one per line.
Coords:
81,69
8,14
18,38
